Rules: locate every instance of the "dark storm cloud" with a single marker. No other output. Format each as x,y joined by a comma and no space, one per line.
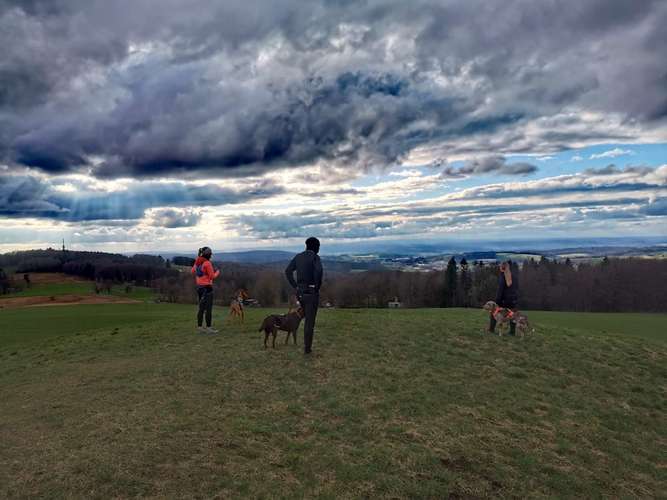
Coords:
29,196
127,89
491,164
355,119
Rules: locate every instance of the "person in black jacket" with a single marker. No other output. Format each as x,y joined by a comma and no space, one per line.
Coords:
308,269
507,295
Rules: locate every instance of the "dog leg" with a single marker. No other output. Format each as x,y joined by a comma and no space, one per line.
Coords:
266,337
274,337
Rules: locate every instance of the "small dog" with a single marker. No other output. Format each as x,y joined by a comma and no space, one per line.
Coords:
286,322
504,316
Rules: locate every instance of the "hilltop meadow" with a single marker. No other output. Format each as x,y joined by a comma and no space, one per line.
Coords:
126,400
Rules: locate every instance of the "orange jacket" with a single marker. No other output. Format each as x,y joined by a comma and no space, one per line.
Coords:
208,273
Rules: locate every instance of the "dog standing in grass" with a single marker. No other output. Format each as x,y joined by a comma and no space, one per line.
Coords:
286,322
236,305
504,318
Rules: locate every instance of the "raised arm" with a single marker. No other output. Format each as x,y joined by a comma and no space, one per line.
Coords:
289,272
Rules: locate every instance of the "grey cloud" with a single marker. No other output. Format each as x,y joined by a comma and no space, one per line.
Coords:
437,218
639,195
487,165
29,196
175,218
656,207
640,179
612,169
243,87
268,226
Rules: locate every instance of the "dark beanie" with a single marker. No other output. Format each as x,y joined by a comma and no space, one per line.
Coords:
313,244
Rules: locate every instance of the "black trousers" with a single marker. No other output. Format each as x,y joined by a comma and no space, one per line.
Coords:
205,294
310,302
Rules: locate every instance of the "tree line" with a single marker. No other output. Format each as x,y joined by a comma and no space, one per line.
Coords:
612,285
138,269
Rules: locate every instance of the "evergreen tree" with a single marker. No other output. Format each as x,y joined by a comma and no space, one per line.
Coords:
4,282
450,283
466,283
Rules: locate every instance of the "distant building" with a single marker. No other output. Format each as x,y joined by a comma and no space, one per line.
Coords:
394,304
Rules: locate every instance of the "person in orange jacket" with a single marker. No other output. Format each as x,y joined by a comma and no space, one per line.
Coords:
205,274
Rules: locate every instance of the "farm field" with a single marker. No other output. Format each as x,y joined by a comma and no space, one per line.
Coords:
57,285
127,400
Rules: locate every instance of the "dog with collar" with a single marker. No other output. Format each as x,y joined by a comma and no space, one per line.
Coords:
504,316
286,322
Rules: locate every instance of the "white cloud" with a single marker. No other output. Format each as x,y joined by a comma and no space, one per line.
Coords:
612,153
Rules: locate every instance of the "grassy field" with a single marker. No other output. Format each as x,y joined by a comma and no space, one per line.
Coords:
126,400
27,326
645,326
79,288
49,289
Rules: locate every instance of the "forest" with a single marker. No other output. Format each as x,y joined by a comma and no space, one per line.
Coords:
612,284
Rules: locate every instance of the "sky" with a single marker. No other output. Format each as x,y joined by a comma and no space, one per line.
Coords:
135,125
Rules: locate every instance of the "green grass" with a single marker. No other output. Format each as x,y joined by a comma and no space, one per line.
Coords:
401,404
136,293
33,325
646,326
53,289
80,288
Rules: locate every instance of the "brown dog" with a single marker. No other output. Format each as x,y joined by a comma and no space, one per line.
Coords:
236,305
286,322
503,316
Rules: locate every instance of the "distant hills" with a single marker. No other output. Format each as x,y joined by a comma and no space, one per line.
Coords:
255,256
418,256
421,258
426,248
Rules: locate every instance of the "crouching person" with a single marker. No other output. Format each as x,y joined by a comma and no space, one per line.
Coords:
204,276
